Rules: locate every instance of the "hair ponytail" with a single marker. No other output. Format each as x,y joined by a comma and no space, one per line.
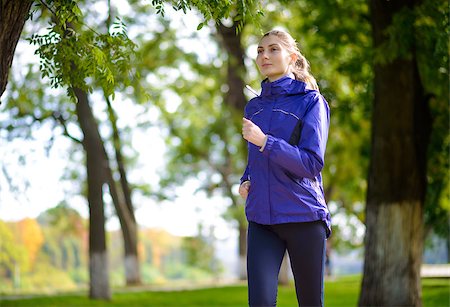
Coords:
300,68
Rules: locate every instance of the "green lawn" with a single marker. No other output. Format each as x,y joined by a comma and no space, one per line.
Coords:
340,292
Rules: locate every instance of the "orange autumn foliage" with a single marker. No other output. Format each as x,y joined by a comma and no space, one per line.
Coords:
30,233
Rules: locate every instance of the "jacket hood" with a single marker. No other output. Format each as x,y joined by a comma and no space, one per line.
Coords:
284,85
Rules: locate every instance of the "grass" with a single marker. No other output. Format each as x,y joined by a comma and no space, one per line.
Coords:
340,292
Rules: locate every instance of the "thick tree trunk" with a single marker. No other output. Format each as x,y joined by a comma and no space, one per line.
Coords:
397,176
13,15
125,212
96,176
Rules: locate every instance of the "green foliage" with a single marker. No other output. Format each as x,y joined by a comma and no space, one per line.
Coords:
151,274
64,231
240,11
199,252
44,277
70,56
432,30
13,256
203,138
180,271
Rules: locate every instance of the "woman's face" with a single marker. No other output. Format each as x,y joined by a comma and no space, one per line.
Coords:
273,59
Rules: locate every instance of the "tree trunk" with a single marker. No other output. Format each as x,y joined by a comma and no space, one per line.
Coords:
124,208
236,69
96,166
397,175
13,15
236,99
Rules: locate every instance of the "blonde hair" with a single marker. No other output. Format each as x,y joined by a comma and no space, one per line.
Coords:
301,69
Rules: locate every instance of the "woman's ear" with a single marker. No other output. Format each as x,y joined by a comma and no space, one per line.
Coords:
294,58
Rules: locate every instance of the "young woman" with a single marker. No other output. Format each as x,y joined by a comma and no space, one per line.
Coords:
286,128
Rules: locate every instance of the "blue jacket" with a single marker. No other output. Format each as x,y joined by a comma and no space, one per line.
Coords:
286,181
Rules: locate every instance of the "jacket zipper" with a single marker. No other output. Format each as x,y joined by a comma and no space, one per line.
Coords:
268,163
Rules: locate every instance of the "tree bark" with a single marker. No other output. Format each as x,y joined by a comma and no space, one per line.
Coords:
96,166
13,15
397,175
236,69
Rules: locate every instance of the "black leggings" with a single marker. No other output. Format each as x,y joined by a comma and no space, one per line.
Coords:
267,244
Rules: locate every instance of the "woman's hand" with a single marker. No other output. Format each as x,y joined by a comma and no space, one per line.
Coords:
244,188
252,133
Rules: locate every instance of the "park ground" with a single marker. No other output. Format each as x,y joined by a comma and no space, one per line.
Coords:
342,291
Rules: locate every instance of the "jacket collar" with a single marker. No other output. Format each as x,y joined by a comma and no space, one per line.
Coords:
284,85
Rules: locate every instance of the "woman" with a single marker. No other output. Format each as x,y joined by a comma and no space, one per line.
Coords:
286,128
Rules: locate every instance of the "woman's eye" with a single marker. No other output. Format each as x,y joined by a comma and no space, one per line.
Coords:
259,51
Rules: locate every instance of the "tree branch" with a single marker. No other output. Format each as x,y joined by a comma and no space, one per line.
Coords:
59,118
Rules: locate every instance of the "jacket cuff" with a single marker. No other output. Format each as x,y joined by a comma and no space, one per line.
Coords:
244,181
268,144
264,145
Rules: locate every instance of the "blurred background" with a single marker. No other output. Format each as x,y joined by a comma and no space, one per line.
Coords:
168,199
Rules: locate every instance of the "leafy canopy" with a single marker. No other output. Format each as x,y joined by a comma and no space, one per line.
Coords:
72,57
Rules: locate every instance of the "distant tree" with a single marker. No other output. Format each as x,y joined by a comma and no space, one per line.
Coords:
13,255
64,230
31,236
162,244
199,250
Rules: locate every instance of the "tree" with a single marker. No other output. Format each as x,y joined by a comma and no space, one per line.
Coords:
235,98
64,231
30,234
122,200
400,138
13,257
96,177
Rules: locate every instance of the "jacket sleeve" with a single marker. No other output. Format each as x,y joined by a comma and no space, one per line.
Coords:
307,158
245,176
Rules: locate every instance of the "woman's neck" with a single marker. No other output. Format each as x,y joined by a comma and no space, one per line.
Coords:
289,74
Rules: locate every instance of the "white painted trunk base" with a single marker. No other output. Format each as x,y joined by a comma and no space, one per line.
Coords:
99,276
